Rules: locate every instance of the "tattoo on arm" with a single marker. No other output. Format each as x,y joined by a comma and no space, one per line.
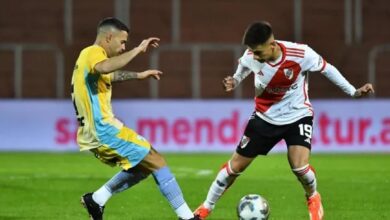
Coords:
122,75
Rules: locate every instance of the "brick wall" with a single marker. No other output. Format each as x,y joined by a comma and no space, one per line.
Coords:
202,21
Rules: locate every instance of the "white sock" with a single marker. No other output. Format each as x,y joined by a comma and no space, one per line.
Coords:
101,196
307,177
223,180
184,212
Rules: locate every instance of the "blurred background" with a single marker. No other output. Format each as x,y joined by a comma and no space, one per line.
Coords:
40,41
200,44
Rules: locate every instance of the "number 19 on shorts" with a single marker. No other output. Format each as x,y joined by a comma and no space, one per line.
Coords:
305,130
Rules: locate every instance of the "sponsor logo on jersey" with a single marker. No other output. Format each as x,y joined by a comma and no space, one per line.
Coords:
244,141
308,140
281,90
277,90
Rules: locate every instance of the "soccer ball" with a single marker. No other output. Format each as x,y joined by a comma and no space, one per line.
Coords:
253,207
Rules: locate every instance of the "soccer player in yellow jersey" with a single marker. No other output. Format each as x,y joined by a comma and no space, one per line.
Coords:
97,67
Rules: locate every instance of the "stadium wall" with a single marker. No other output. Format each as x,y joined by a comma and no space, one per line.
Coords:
193,126
333,28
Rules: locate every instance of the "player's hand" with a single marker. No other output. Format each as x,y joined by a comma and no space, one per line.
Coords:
152,41
229,83
364,90
150,73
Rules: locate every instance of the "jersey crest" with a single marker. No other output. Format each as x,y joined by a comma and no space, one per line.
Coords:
288,73
244,141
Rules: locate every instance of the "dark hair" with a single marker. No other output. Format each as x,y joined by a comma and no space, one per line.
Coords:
257,33
113,22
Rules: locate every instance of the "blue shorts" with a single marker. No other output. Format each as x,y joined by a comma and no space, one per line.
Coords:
126,149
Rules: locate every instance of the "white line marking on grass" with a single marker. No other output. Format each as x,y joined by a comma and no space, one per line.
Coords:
188,171
204,173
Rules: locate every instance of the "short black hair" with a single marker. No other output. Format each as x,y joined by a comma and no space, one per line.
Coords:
113,22
257,33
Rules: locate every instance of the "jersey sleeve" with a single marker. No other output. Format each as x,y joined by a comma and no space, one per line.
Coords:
339,80
242,70
95,56
314,61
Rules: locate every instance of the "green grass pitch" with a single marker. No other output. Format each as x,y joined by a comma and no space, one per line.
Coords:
49,185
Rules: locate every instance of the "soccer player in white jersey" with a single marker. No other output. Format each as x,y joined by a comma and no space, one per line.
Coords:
100,132
283,110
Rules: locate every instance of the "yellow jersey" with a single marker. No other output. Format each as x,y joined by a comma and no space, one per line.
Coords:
91,96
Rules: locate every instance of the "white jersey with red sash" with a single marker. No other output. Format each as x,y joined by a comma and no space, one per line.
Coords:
281,87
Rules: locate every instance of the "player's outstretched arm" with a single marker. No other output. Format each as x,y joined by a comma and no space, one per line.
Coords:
118,62
364,90
229,83
123,75
156,74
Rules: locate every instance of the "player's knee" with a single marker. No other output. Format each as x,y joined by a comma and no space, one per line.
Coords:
298,163
153,161
158,159
298,156
239,163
